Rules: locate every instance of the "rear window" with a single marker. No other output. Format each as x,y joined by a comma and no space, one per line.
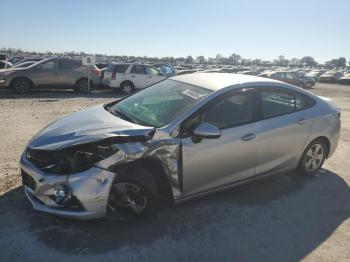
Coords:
117,68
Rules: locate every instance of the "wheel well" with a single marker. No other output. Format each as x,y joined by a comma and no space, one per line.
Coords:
155,167
127,81
19,77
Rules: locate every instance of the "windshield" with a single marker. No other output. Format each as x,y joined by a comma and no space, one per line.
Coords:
159,104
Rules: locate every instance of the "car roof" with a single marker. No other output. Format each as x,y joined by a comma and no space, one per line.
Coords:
217,81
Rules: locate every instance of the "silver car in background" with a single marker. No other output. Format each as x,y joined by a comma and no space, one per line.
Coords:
179,139
55,73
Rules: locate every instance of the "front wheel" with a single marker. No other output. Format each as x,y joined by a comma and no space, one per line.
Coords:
21,85
313,157
133,194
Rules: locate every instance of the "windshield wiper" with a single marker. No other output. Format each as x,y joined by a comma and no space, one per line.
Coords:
122,116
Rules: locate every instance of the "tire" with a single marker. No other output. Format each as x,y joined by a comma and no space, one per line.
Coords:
133,194
21,85
313,157
82,86
127,88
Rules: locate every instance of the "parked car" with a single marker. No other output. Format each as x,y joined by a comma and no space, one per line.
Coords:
5,65
49,73
167,70
330,76
315,74
127,77
292,78
179,139
345,80
309,81
186,71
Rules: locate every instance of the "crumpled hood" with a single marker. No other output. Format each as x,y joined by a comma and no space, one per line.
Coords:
89,125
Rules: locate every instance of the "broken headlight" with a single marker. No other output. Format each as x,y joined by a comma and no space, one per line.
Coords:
78,159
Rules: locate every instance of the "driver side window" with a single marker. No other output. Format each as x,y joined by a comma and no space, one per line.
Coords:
235,110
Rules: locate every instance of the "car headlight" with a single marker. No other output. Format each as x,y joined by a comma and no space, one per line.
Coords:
78,160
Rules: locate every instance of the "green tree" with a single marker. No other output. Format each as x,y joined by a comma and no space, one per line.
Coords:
341,62
200,59
308,61
235,59
189,59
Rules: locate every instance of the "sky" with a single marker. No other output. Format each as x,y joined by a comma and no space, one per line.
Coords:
261,29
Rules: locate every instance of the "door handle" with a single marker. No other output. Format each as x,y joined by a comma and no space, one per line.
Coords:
302,121
248,137
133,76
149,77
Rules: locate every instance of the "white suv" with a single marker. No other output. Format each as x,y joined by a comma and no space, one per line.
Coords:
131,76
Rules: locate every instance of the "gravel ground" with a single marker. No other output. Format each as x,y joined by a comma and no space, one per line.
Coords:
281,218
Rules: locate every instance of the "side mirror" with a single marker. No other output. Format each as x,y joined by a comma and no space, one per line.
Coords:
161,74
206,130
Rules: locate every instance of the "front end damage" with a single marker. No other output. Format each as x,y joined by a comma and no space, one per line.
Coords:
83,194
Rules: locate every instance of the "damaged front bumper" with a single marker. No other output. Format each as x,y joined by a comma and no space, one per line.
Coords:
86,193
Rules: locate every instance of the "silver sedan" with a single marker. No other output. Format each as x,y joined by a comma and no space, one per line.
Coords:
179,139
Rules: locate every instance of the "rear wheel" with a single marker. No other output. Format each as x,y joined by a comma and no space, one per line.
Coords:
82,86
21,85
313,157
133,194
127,88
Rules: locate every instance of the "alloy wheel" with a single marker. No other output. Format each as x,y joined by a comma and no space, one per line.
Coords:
125,196
21,86
127,89
314,157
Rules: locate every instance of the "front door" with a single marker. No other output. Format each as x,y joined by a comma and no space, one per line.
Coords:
45,74
138,76
153,76
66,73
211,163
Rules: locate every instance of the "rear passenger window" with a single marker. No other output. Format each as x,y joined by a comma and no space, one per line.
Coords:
117,68
66,64
275,103
120,68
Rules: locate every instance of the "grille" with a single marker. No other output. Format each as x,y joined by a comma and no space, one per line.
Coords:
28,180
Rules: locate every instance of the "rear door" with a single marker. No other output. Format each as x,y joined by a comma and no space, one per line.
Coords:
115,74
66,74
283,130
293,79
138,76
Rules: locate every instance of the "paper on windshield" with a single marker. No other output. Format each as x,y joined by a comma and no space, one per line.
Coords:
192,93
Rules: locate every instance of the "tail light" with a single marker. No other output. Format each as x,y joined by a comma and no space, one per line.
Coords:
338,112
96,71
114,76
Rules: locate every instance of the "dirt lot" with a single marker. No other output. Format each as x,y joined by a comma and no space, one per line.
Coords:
281,218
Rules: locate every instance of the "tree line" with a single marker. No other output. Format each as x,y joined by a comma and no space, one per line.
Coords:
234,59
